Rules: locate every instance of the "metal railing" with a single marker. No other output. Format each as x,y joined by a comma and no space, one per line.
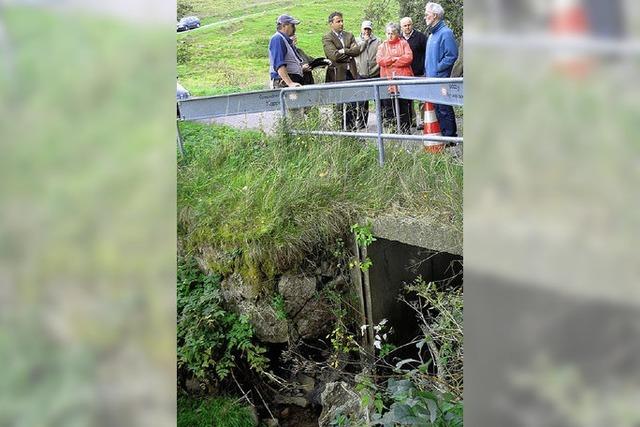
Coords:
447,91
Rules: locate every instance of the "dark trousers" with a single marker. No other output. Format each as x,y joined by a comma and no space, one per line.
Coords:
278,83
447,119
362,114
363,108
348,111
389,113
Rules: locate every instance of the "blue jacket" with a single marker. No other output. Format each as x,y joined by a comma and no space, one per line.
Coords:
278,52
441,53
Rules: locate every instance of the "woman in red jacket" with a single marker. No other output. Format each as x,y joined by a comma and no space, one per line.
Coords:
395,57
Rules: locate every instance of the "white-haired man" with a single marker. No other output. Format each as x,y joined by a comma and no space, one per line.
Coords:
441,54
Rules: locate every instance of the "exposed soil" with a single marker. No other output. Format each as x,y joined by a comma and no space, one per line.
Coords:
294,416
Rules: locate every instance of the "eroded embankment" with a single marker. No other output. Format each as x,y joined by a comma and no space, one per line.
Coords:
270,218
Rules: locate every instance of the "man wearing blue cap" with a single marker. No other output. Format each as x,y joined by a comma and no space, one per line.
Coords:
286,66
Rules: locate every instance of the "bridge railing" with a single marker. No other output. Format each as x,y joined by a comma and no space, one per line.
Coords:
447,91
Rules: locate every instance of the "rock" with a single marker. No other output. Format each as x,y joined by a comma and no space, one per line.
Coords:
244,300
315,318
253,412
296,290
193,386
285,413
292,400
328,269
272,422
267,326
235,291
307,384
339,398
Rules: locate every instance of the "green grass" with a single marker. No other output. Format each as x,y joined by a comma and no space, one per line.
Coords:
217,411
260,204
231,55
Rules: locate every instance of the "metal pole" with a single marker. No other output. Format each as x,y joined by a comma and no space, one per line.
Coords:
179,139
396,102
379,120
283,111
402,137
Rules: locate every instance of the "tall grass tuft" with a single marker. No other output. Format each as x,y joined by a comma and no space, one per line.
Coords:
217,411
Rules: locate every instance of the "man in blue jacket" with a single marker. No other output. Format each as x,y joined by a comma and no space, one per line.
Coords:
441,54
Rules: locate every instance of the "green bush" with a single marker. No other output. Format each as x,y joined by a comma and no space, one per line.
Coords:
210,339
183,8
217,412
453,14
184,51
414,407
441,320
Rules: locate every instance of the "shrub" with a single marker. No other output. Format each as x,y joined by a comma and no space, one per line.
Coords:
184,51
414,407
210,339
440,313
453,14
183,9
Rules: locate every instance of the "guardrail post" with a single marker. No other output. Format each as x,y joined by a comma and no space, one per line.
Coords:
283,111
179,138
396,102
379,120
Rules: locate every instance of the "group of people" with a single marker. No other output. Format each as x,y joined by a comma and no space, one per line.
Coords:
405,52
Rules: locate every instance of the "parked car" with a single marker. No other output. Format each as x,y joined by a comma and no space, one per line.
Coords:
188,23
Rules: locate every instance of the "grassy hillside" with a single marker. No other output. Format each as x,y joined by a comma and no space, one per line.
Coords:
229,53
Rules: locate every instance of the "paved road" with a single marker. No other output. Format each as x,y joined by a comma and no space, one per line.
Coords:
267,122
262,121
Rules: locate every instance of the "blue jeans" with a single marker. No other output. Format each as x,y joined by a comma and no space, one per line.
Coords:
447,119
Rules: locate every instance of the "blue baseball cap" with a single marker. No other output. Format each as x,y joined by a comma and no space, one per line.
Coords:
287,19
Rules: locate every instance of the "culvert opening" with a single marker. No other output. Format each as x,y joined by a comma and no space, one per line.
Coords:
394,266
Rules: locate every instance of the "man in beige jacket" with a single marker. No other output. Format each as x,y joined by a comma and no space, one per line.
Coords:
367,66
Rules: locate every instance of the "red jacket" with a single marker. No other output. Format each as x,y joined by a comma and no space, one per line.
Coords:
398,50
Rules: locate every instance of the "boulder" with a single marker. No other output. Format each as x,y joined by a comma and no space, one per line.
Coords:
309,314
244,300
267,326
296,290
234,290
314,319
338,398
300,401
